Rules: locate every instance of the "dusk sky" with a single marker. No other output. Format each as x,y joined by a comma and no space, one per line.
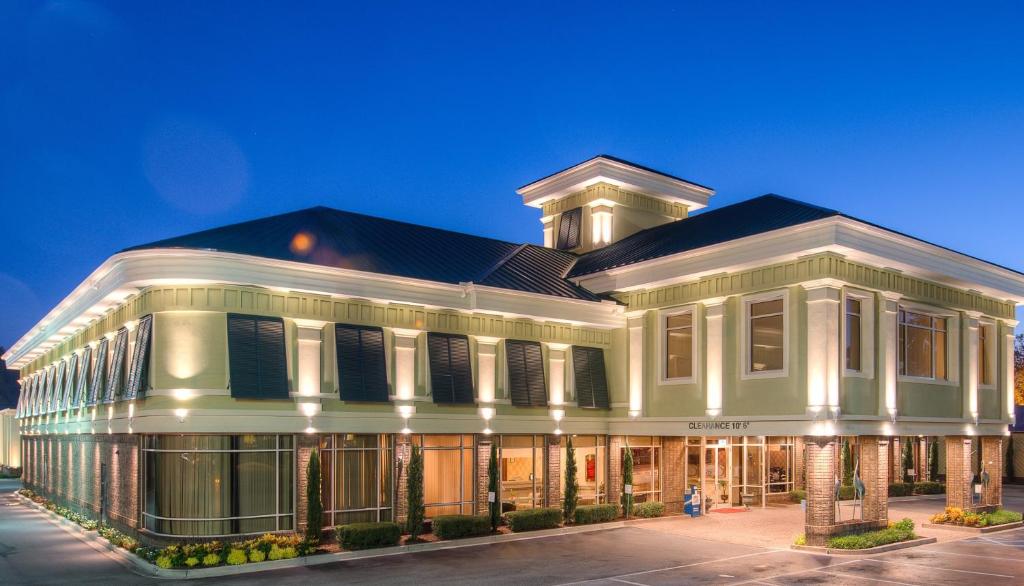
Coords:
123,123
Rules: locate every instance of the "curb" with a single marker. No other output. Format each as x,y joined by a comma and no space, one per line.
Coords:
142,567
975,530
869,551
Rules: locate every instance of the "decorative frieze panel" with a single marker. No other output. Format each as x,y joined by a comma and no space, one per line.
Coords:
612,193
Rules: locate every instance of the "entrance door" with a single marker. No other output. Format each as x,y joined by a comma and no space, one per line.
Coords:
716,474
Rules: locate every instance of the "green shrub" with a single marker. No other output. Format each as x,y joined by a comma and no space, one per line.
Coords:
1002,517
314,508
649,509
532,519
929,488
211,559
415,511
797,495
257,555
236,557
846,493
587,514
800,540
456,526
192,562
896,532
368,535
901,489
164,562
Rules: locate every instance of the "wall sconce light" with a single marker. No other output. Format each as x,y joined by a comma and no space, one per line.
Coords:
181,414
487,431
892,415
558,431
558,414
634,414
713,413
487,413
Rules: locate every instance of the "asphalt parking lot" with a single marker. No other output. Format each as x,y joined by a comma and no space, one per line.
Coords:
644,555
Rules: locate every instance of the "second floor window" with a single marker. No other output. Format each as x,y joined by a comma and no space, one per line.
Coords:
922,345
853,335
679,345
767,339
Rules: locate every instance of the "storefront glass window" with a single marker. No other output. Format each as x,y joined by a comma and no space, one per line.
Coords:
448,474
357,472
646,467
591,467
522,471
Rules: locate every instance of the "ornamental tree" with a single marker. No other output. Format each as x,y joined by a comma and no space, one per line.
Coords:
847,458
494,506
572,486
314,506
933,461
627,481
414,494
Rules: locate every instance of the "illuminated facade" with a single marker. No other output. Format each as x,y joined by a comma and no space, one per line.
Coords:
182,386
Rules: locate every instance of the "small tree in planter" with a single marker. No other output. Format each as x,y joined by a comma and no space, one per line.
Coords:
627,481
314,506
494,506
933,461
572,486
908,460
414,494
847,457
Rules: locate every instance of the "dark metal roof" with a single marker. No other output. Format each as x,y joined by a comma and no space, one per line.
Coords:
746,218
624,162
335,238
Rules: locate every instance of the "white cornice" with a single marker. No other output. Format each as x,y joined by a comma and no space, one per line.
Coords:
855,240
600,169
127,273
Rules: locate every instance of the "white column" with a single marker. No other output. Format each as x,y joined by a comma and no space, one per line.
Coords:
888,341
636,365
970,385
714,355
310,340
549,231
1007,382
556,373
823,347
405,363
486,350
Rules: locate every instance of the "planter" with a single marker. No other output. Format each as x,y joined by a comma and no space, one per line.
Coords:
870,550
975,530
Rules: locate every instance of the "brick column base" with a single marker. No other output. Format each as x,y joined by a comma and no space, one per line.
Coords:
820,518
553,455
992,462
673,473
958,472
483,461
874,462
615,445
403,453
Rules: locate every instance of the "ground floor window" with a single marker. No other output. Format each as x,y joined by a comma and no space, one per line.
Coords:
781,463
522,471
591,467
646,467
211,485
448,474
356,471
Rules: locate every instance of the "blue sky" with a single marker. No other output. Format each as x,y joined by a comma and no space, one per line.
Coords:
122,123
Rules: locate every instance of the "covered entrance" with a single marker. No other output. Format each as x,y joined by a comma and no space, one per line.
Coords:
741,470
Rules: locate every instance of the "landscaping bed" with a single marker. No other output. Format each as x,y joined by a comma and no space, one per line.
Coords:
897,534
847,493
957,518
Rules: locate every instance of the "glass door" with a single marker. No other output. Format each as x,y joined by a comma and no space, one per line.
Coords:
716,473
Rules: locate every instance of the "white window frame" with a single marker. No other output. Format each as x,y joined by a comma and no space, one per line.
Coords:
952,344
990,362
867,333
744,352
662,345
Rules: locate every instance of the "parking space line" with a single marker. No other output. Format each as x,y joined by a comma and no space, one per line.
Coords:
795,573
628,582
669,569
868,578
936,568
972,555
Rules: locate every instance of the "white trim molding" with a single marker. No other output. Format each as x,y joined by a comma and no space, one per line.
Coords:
662,345
744,337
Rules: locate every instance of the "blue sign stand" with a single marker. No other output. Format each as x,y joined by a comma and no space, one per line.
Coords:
692,504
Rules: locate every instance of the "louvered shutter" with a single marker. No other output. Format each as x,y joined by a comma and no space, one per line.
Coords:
591,381
58,386
44,399
256,357
138,373
69,382
36,396
569,229
81,393
451,373
115,380
526,373
98,387
362,371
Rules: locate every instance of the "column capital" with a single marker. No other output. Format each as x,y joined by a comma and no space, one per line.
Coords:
823,290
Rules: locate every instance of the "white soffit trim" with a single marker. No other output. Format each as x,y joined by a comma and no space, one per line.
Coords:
853,239
126,273
626,176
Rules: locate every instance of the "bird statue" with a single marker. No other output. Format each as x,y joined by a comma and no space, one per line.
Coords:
858,487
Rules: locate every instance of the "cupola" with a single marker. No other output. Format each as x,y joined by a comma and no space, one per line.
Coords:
605,199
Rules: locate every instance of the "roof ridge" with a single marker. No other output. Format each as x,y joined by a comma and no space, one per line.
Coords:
498,263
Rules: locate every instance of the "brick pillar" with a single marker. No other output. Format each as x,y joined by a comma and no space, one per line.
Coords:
958,472
483,460
874,461
673,473
820,519
403,453
615,445
553,455
799,479
992,462
304,445
922,459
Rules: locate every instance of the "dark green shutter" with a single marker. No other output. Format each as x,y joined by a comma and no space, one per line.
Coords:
44,397
115,380
256,357
525,362
569,229
591,381
57,388
69,382
362,371
98,388
138,372
82,392
451,374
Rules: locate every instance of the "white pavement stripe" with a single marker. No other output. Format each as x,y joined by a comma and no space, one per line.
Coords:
793,573
972,555
868,578
628,582
618,577
937,568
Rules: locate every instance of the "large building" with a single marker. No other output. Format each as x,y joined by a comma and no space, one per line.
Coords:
178,391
